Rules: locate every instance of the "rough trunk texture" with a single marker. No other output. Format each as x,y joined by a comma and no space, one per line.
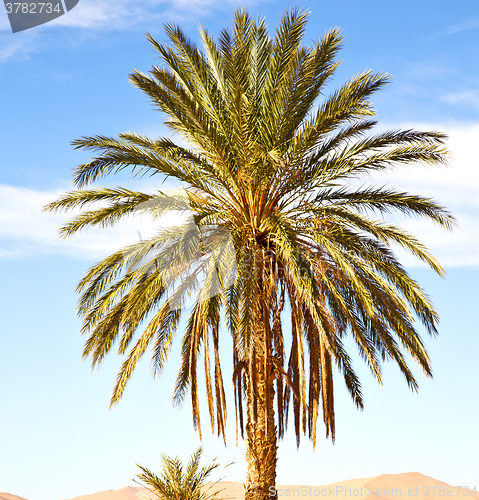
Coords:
261,438
261,447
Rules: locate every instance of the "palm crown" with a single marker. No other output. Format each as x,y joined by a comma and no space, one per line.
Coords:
267,168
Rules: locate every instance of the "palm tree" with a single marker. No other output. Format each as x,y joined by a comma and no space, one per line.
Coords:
178,483
274,226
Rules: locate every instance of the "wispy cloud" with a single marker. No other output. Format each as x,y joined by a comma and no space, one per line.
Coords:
101,14
25,230
128,14
469,24
105,15
468,98
18,45
466,25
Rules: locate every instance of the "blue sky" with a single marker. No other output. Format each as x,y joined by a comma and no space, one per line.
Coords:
58,438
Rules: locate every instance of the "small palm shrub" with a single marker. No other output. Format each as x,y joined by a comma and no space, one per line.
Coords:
178,483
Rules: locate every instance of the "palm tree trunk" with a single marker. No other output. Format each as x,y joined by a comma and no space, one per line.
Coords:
261,436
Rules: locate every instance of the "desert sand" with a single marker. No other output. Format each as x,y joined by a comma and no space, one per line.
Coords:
8,496
406,486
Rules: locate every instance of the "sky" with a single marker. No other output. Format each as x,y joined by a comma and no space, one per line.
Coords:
68,78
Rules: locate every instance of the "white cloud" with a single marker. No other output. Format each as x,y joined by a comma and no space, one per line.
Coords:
126,14
458,181
122,14
105,15
25,229
455,187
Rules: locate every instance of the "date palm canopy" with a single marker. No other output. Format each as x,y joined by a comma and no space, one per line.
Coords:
277,237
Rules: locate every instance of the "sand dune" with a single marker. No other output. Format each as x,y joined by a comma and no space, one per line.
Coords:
8,496
127,493
412,485
406,486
